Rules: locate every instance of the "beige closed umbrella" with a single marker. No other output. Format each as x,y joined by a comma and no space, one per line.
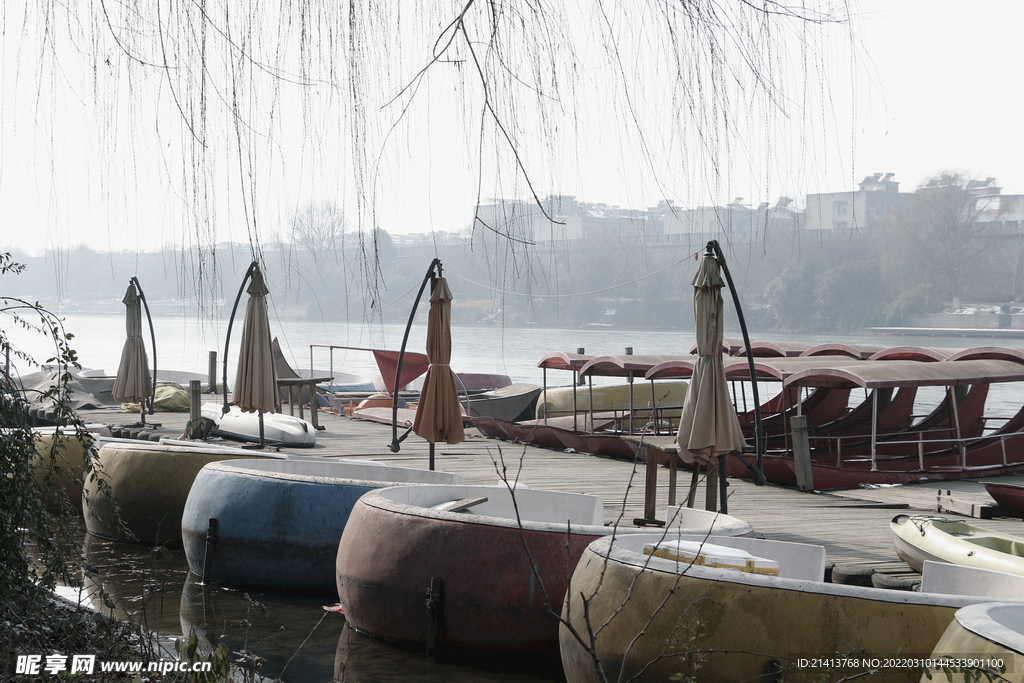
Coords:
708,426
255,387
439,414
133,383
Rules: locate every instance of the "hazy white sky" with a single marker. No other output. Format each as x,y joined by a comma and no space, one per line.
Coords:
933,88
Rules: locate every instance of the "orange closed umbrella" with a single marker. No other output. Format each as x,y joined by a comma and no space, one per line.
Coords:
439,415
708,425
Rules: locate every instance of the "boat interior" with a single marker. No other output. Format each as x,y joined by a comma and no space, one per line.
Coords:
528,505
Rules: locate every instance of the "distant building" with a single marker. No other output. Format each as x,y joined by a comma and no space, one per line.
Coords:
853,213
563,218
737,220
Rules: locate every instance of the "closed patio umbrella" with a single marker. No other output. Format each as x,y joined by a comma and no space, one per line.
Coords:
708,426
133,383
255,387
439,415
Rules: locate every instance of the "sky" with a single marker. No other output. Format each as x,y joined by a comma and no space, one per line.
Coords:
99,149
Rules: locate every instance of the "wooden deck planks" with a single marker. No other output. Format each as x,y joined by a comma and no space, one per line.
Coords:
852,525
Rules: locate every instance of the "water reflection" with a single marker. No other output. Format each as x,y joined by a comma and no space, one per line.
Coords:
298,640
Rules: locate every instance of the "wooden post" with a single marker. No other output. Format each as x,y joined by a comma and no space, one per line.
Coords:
673,469
194,401
651,488
802,454
711,492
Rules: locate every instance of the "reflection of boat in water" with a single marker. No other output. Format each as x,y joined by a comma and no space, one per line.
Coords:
503,562
126,581
278,522
291,634
655,617
919,538
148,484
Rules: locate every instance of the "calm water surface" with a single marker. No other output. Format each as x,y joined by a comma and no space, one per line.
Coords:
299,640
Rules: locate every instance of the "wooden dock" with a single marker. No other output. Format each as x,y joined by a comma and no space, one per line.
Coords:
852,525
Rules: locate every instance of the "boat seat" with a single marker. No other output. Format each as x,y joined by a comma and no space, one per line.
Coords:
999,544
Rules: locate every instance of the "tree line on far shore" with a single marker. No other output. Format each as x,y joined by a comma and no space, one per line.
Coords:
929,253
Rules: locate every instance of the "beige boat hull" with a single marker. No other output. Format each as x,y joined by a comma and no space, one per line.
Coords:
58,466
149,485
668,396
983,635
734,625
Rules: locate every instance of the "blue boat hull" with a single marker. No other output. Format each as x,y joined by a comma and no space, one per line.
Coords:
275,529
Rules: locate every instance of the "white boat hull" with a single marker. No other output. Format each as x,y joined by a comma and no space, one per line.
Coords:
277,428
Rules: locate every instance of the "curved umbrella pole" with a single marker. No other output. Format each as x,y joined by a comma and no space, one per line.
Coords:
759,478
430,277
227,341
152,336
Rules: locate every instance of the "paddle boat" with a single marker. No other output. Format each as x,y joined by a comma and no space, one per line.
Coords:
503,560
985,637
278,522
924,537
1010,497
59,462
278,429
651,606
145,485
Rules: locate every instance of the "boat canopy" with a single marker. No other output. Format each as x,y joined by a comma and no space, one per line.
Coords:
924,354
625,366
765,369
766,349
730,347
905,373
837,349
560,360
989,352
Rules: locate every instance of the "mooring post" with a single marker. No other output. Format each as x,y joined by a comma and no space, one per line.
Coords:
435,612
211,547
802,453
211,387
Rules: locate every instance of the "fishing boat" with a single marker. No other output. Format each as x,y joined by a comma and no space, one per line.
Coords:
982,638
503,560
278,429
923,537
277,523
647,611
1010,497
140,489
